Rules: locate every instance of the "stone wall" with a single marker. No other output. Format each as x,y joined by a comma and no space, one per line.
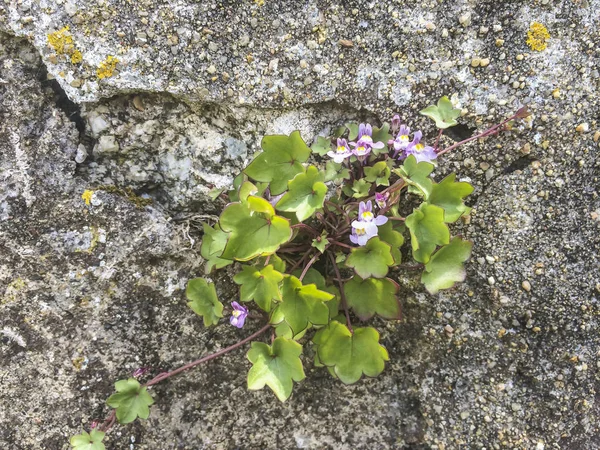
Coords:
148,105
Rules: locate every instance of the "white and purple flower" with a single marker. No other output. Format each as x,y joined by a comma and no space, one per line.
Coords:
381,199
365,143
402,140
365,227
420,151
342,151
238,315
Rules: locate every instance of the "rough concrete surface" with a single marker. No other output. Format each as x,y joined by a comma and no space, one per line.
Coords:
89,293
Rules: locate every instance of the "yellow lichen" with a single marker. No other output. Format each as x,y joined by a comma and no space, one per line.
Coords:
61,40
107,67
87,196
537,37
62,43
76,57
128,193
259,2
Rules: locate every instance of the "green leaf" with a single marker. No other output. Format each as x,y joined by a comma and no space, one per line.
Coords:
444,113
371,260
446,265
359,189
350,355
449,195
321,242
335,171
237,182
416,176
262,286
88,441
373,296
204,301
280,161
339,131
379,173
253,228
131,401
277,263
381,135
302,305
321,146
213,244
427,230
306,194
395,239
313,276
352,131
276,366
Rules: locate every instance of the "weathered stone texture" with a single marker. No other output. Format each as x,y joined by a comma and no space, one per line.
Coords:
90,292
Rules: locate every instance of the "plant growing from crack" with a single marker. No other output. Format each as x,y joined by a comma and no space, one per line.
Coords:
314,245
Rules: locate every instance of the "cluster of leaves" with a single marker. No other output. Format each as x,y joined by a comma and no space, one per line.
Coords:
287,224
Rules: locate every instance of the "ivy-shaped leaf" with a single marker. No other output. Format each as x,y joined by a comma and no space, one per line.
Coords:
350,355
306,194
449,195
262,286
373,296
314,277
237,182
446,266
371,260
352,131
359,189
444,113
427,230
276,366
277,263
395,239
253,229
131,401
416,176
88,441
379,173
321,146
280,161
301,305
335,171
213,243
203,300
381,135
321,242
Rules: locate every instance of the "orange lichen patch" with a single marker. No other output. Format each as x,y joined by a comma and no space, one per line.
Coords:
107,67
87,196
537,37
76,57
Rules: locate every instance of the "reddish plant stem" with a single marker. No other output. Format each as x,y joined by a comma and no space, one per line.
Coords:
164,376
341,244
397,218
310,263
342,293
338,207
267,259
299,262
111,419
437,141
306,227
490,131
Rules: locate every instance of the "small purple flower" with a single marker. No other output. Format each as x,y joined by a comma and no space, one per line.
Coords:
365,227
95,424
420,151
402,140
342,151
381,199
395,127
141,371
365,141
238,315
